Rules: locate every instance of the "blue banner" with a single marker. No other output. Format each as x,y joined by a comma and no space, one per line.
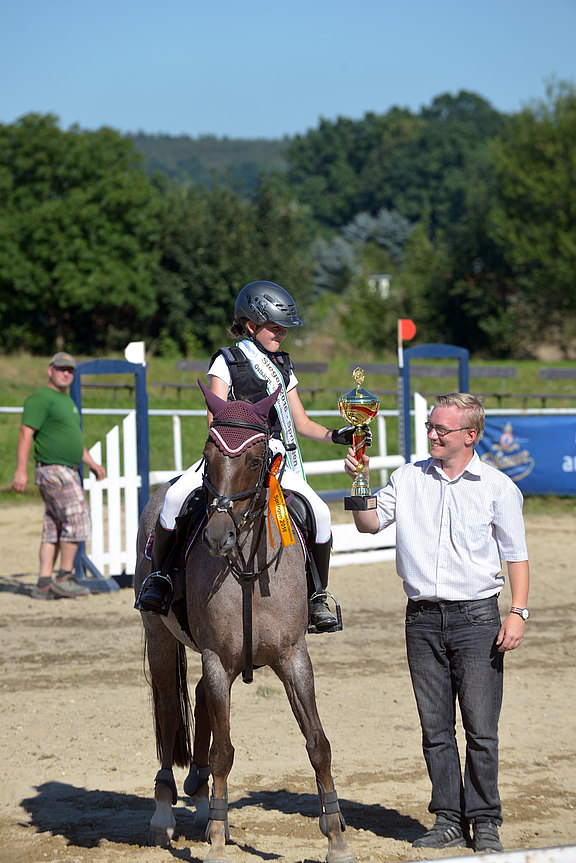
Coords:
537,452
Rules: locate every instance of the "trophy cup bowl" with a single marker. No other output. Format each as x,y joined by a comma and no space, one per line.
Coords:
359,407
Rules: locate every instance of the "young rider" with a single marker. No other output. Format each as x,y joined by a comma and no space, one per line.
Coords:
255,367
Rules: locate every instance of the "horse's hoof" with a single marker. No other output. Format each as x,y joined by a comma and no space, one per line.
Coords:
160,837
331,857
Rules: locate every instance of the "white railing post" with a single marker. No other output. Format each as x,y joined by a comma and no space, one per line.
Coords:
132,483
177,439
114,502
382,445
420,434
95,491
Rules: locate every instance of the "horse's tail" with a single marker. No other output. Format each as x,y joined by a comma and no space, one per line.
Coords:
182,755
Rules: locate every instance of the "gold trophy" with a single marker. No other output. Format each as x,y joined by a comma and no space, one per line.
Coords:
359,407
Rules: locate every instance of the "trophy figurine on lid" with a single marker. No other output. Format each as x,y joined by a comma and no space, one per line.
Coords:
359,407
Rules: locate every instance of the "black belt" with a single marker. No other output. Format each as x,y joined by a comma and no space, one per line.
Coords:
432,605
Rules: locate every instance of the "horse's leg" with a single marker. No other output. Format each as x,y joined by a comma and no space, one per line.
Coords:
167,662
295,671
217,685
196,783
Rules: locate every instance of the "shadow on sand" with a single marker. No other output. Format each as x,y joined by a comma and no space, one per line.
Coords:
86,817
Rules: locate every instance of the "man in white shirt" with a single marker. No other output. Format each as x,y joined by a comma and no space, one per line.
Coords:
456,520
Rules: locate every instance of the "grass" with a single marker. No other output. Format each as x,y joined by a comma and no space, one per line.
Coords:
21,375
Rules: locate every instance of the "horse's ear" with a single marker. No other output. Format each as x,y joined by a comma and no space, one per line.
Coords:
213,402
264,406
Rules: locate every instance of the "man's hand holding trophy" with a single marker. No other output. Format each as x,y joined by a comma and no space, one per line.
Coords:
359,407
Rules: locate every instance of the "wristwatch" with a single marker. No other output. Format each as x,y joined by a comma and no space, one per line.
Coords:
523,612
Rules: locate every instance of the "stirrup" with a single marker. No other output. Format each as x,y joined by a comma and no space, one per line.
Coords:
336,627
163,606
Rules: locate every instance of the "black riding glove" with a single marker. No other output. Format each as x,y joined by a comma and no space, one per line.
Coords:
345,435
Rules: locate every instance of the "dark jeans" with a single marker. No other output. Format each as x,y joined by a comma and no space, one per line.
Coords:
452,654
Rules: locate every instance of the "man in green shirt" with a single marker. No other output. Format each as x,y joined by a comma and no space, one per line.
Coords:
51,423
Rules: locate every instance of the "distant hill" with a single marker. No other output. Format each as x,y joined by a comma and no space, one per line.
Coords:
194,160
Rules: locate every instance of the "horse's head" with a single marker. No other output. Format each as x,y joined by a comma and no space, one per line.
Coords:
237,459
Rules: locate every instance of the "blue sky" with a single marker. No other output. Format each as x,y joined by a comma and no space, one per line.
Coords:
249,68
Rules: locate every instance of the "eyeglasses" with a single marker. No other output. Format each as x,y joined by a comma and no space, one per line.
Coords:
65,369
442,432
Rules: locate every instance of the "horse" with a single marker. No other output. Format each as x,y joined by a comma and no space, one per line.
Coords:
245,607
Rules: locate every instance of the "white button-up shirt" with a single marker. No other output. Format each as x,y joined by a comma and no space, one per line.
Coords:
453,534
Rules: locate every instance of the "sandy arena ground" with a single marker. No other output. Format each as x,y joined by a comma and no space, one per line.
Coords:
78,755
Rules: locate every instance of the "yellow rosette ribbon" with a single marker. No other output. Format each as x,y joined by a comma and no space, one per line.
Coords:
277,507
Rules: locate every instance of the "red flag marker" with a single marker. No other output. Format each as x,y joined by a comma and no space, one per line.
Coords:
406,329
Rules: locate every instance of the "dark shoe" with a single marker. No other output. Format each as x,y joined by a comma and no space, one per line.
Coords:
320,615
485,837
320,618
155,594
63,585
444,834
43,590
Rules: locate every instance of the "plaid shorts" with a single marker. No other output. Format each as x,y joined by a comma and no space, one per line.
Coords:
66,516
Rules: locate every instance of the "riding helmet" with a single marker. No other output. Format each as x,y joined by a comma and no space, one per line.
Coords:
266,301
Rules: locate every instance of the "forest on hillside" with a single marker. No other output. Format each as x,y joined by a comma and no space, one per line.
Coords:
458,216
208,159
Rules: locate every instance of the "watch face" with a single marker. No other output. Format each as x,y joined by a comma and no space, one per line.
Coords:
525,614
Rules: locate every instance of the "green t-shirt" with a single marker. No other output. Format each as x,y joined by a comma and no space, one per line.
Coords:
58,436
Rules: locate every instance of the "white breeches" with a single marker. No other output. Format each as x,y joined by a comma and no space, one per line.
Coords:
291,481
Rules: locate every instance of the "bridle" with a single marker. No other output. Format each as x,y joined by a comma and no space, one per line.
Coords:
223,503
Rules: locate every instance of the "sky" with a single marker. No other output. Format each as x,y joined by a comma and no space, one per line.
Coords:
255,69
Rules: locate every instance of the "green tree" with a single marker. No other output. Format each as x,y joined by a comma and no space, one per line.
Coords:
216,240
418,165
78,235
533,219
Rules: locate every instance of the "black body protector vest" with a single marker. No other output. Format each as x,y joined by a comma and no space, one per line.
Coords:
247,386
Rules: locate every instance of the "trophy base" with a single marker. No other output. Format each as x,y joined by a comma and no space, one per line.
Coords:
360,503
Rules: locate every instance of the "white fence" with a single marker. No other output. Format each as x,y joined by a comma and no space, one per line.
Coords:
114,501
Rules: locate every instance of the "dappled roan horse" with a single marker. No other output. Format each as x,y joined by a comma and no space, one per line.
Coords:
246,603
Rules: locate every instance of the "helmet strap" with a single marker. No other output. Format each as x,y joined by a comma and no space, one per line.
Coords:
272,354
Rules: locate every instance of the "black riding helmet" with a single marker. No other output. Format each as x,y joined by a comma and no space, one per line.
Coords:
266,301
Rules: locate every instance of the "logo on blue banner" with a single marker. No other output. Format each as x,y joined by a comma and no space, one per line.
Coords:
536,452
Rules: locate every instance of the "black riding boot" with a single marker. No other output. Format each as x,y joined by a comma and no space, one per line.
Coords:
320,615
156,592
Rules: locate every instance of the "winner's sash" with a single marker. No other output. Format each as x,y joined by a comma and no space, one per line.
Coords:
265,369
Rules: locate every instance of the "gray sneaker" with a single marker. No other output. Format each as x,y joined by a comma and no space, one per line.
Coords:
43,590
63,585
443,834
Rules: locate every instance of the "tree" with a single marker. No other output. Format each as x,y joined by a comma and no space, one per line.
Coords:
78,232
419,165
322,173
213,242
533,219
